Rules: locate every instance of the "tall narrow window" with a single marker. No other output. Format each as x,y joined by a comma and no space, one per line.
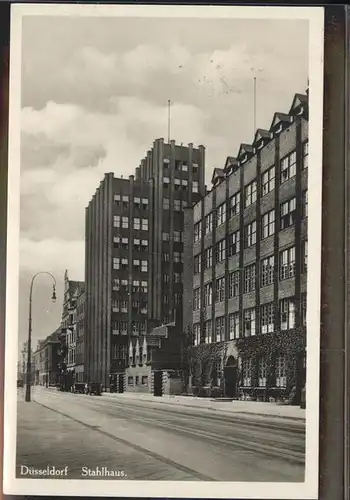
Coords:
234,204
249,322
268,224
288,167
208,327
247,368
267,318
233,284
250,234
281,371
262,371
304,203
197,264
268,181
287,314
220,250
220,329
305,155
208,294
287,263
208,223
249,278
221,214
267,271
197,333
233,320
220,289
233,241
197,231
208,257
287,213
250,194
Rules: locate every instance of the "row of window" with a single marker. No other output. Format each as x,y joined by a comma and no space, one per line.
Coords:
178,204
177,278
181,184
286,256
287,270
142,265
279,372
123,243
123,222
177,236
286,316
176,298
180,165
123,285
122,306
177,257
124,201
121,327
287,219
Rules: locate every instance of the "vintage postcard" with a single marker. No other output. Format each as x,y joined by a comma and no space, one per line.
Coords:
163,318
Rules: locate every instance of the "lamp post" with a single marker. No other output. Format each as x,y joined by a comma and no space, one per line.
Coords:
29,345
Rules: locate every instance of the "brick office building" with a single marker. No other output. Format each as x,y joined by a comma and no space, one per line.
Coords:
246,244
134,258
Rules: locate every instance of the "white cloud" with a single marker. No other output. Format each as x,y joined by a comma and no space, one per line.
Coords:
95,101
52,255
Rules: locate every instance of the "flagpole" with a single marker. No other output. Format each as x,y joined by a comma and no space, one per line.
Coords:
169,121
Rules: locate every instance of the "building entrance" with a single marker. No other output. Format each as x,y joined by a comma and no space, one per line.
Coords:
230,374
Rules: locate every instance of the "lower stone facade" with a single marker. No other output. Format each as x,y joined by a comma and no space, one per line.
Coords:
270,368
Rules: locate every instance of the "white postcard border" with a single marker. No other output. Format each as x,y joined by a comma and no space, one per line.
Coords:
175,489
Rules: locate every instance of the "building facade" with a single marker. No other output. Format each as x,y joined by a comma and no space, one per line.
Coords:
72,291
134,256
246,252
80,327
45,360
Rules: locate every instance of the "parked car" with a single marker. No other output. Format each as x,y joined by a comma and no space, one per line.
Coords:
93,388
20,383
78,388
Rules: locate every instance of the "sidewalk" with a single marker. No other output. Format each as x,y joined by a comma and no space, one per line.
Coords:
237,406
242,407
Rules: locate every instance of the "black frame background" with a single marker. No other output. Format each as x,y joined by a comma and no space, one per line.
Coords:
335,289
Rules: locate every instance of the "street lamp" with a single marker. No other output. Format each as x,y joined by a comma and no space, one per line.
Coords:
29,346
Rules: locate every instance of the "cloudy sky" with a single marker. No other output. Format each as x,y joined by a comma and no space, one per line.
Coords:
94,97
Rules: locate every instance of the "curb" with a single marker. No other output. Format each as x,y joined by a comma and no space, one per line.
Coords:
226,410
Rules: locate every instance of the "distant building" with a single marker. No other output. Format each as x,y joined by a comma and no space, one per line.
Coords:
72,291
246,255
134,258
80,327
45,361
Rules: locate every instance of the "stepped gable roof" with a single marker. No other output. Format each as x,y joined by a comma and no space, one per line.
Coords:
299,100
261,134
218,173
230,162
280,118
245,149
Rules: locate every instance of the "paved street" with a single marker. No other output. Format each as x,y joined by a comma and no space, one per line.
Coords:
151,441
